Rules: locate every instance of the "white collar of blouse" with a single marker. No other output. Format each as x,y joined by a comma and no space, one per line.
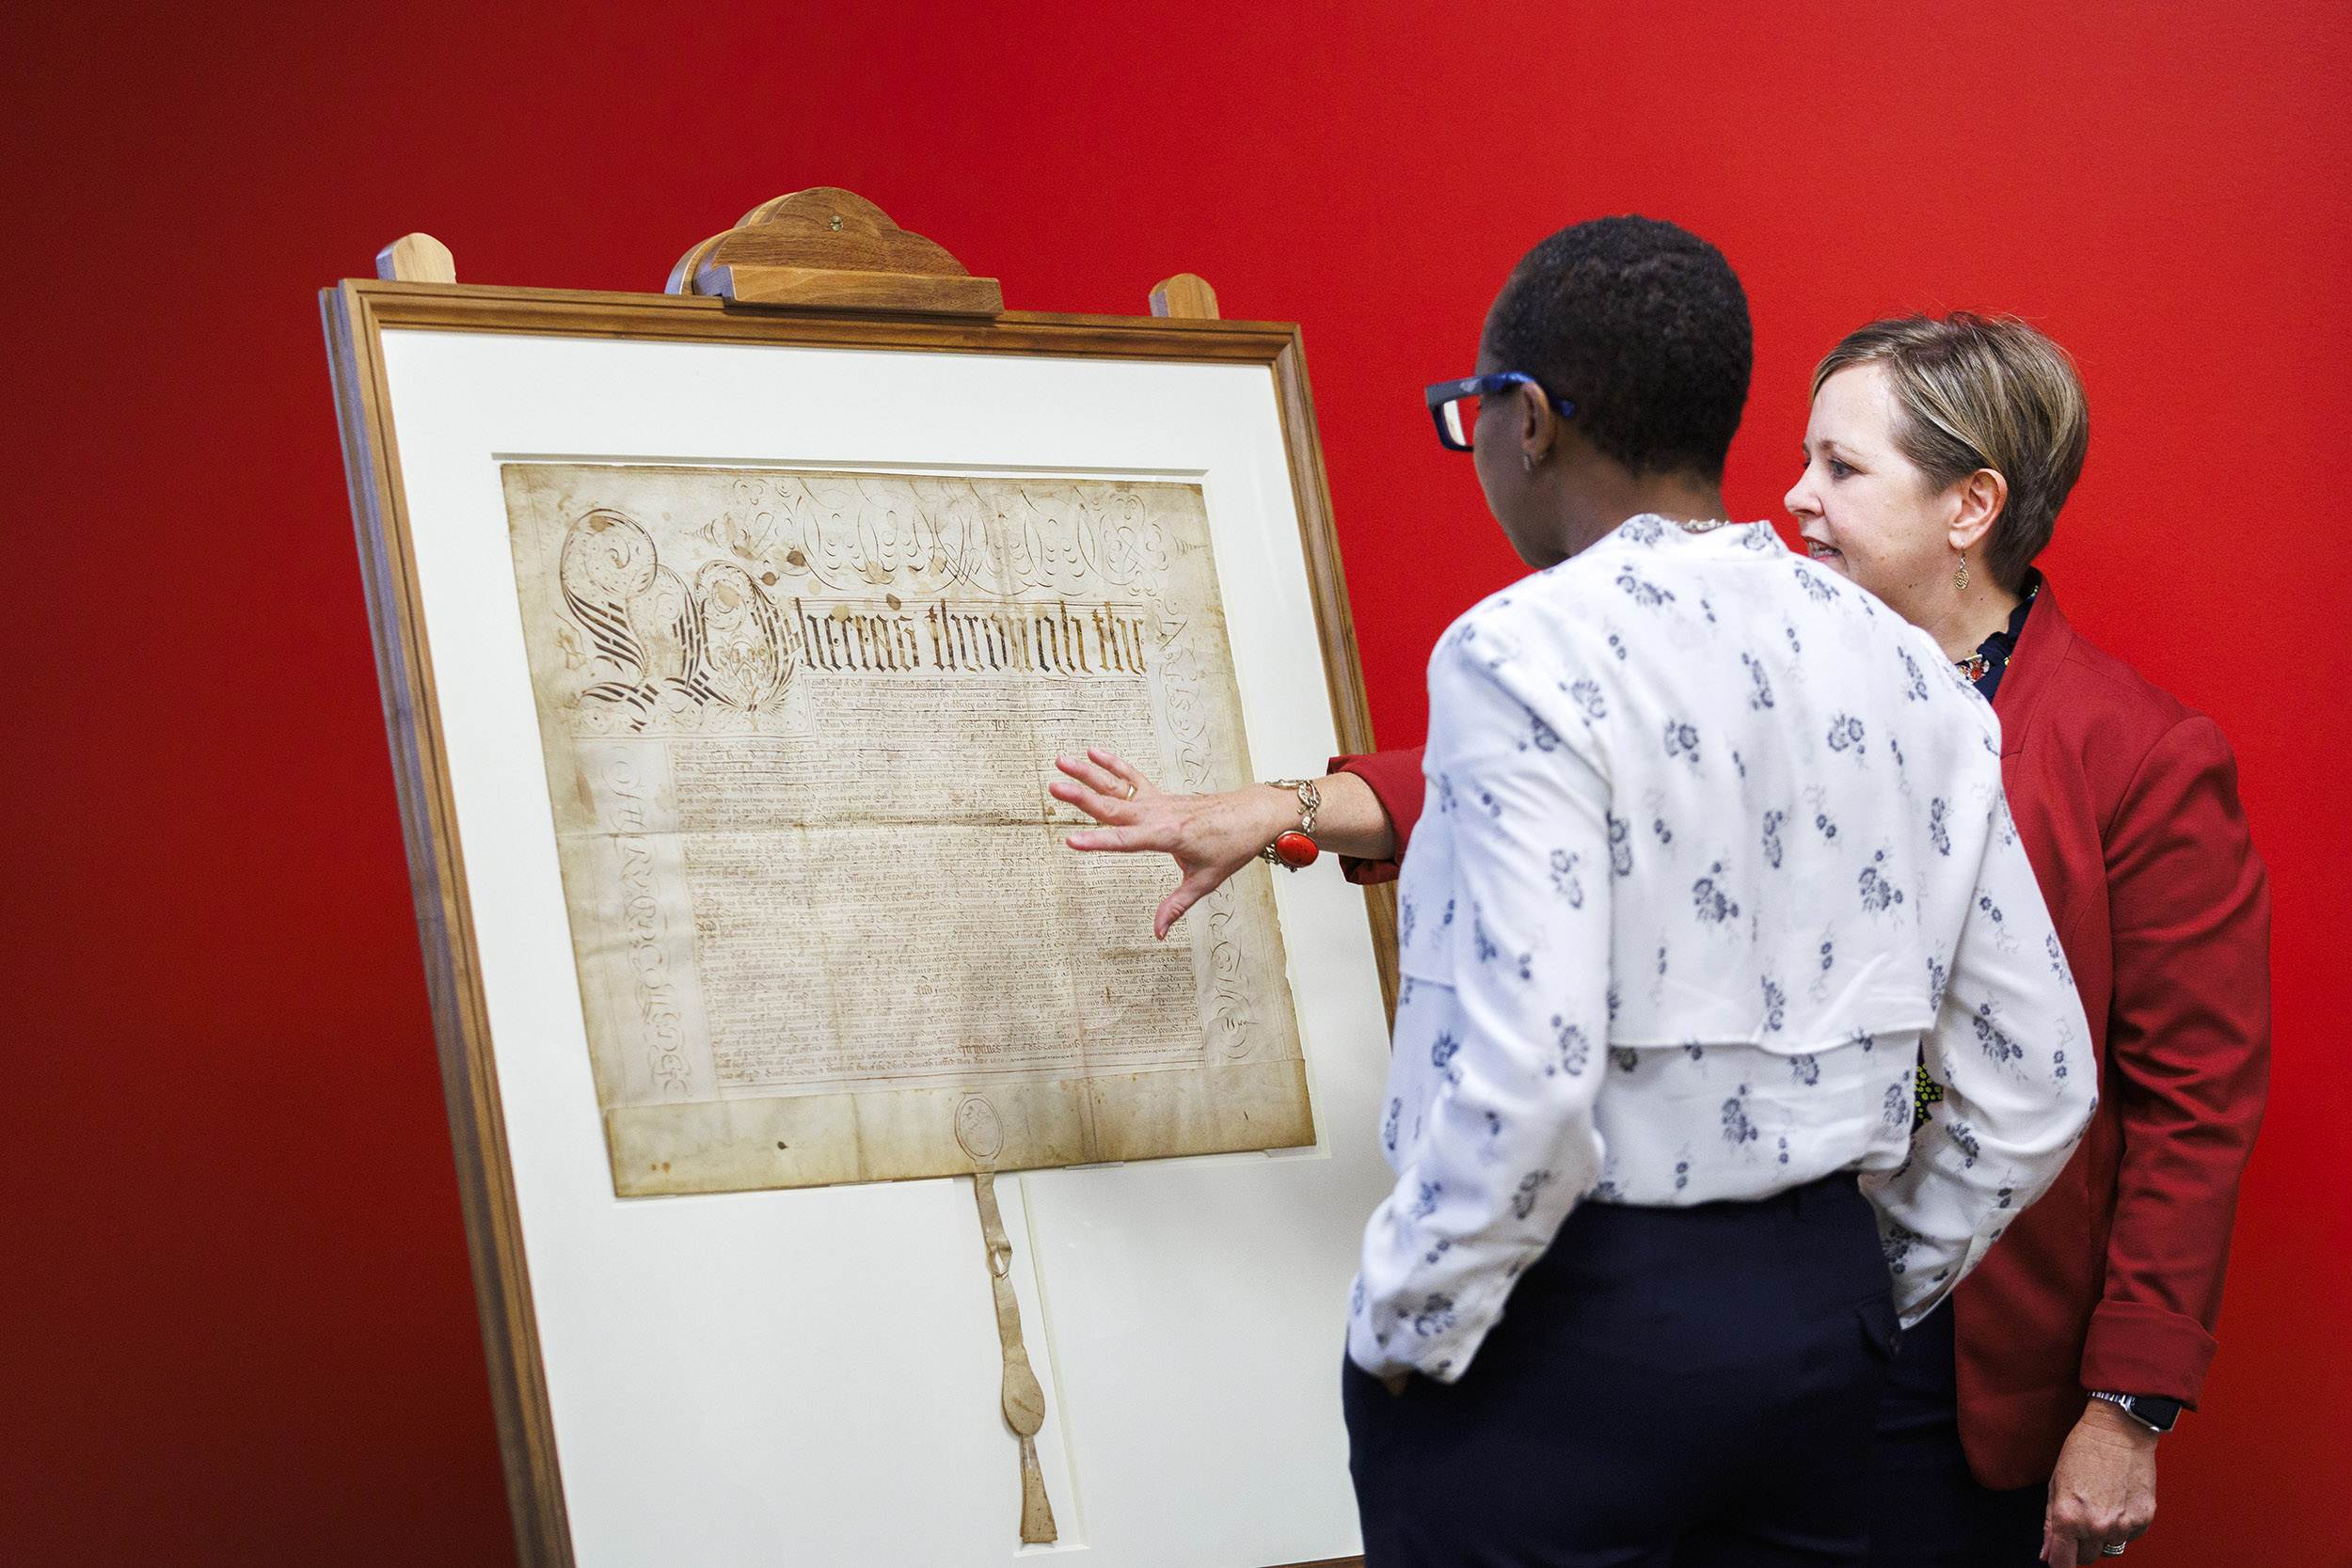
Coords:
1652,529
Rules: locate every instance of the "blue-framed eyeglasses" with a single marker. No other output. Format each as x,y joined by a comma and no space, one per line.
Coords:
1454,403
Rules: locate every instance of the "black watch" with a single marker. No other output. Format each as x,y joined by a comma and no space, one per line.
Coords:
2153,1411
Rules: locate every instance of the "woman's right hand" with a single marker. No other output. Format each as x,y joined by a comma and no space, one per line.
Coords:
1210,836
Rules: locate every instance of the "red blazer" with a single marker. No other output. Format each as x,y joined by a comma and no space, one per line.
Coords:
2127,802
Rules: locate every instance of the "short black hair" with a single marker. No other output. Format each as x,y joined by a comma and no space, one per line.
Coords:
1644,326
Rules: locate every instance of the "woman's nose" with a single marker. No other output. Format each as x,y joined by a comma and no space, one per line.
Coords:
1797,500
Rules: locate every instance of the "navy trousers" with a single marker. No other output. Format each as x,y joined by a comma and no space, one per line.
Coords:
1926,1510
1670,1388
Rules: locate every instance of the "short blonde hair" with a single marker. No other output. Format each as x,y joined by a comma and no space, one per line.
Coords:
1982,393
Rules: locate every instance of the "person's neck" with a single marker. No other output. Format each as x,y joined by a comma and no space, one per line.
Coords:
1968,617
1678,498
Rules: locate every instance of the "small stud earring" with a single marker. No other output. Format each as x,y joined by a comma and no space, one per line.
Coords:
1526,462
1960,579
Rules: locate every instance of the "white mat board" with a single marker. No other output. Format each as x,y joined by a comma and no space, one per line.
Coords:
810,1376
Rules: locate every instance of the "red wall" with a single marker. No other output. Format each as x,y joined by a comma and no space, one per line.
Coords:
237,1317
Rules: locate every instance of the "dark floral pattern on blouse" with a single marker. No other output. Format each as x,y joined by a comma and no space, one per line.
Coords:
1482,943
1436,1315
1563,878
1916,687
1511,1096
1574,1048
1523,1201
1878,891
1996,1045
1682,742
1815,584
1646,594
1712,906
1895,1245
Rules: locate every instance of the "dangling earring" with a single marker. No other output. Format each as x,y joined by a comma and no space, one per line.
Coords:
1960,579
1526,462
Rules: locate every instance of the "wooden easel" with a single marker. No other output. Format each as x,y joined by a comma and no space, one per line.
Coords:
814,251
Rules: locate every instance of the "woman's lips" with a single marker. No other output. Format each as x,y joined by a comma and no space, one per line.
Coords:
1820,551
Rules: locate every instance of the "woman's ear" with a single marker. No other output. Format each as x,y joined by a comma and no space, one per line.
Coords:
1538,423
1983,496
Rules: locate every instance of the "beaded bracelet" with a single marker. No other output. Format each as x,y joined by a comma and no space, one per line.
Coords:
1291,847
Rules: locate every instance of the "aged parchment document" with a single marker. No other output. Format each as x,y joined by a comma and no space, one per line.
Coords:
798,730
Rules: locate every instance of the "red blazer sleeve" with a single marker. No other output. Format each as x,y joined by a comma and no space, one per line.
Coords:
2188,1041
1396,784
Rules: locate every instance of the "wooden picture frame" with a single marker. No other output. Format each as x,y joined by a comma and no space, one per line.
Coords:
357,315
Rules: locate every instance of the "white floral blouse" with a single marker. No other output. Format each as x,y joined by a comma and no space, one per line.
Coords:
1714,852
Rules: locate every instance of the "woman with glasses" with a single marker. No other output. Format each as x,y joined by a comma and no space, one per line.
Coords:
1711,852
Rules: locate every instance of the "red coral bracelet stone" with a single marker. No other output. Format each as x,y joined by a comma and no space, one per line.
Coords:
1296,850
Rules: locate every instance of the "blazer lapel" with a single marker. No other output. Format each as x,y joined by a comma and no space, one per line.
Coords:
2032,669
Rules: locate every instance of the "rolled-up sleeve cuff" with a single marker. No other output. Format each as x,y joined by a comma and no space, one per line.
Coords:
1396,784
2137,1348
1439,1341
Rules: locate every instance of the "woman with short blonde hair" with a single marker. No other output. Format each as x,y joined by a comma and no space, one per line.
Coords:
2023,1419
1982,393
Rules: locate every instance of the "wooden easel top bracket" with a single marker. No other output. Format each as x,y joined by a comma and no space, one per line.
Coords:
823,248
828,249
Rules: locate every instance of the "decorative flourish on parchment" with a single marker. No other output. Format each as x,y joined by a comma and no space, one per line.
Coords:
664,649
1011,539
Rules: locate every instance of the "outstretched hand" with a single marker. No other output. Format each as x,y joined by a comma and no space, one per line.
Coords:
1210,836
